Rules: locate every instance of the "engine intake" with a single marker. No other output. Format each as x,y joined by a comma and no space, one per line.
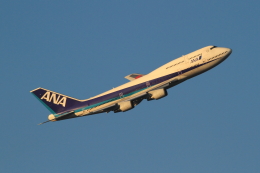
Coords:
157,94
124,106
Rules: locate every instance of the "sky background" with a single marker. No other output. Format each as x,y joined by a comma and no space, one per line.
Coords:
209,123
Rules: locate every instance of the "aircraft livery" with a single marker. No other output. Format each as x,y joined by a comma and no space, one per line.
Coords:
152,86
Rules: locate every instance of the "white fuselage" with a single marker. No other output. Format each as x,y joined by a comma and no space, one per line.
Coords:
152,86
200,61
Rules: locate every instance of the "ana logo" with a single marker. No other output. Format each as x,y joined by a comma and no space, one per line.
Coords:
56,99
196,59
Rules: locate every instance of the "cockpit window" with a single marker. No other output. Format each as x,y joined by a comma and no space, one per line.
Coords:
213,47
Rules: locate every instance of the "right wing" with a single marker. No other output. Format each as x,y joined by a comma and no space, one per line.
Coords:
134,76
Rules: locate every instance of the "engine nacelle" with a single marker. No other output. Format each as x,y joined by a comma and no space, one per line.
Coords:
124,106
157,94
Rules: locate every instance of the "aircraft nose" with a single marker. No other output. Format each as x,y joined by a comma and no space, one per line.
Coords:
229,51
226,51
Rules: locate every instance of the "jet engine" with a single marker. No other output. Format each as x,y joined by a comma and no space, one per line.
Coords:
157,94
124,106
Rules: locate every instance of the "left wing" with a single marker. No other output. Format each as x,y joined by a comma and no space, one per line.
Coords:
124,104
112,107
134,100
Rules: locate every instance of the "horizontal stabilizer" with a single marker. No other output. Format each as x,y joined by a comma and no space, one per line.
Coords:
58,117
134,76
44,122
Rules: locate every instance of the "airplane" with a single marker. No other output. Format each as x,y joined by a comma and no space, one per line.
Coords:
152,86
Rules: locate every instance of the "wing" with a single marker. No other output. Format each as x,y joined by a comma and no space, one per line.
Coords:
129,101
134,76
121,105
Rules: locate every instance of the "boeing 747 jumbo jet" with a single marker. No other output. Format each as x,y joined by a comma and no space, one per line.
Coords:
152,86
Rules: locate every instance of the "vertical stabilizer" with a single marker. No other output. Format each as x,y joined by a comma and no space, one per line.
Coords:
55,102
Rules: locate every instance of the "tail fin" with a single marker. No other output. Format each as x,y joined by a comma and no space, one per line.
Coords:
55,102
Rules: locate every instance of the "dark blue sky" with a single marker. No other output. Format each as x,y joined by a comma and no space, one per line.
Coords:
209,123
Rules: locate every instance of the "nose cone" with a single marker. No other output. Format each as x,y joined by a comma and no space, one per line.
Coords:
225,51
229,51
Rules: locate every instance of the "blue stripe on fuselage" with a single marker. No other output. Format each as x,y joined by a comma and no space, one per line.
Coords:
126,92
